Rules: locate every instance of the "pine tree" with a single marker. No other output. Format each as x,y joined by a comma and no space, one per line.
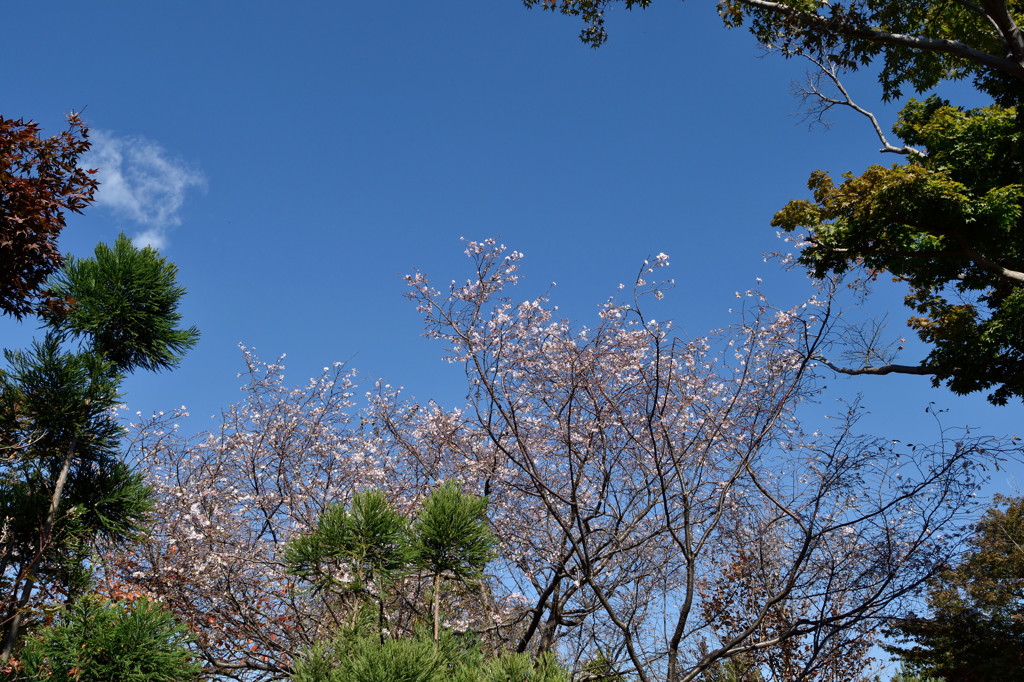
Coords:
451,539
63,485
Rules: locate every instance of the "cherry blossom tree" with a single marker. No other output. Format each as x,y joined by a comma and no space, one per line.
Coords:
652,461
230,499
657,503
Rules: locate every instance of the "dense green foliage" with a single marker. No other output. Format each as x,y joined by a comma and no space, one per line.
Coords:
450,534
919,43
366,550
947,223
125,305
63,485
976,631
100,641
363,550
419,659
370,540
358,552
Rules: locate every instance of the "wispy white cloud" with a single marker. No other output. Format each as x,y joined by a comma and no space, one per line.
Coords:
141,182
154,236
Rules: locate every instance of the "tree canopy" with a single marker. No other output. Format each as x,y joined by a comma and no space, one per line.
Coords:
125,306
919,43
632,477
63,484
101,641
948,221
976,630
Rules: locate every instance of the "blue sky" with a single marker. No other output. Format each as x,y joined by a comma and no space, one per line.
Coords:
294,160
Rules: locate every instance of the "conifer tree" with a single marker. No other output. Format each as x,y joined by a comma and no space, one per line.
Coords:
368,543
63,486
451,539
100,641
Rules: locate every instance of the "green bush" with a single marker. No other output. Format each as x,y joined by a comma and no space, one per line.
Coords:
365,659
97,640
514,668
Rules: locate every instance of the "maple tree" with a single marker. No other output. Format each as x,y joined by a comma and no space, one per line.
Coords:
40,180
947,224
948,221
919,43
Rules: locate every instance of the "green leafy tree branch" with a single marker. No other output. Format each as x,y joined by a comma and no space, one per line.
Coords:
947,224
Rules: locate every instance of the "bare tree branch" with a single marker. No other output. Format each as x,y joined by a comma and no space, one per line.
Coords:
879,370
812,91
